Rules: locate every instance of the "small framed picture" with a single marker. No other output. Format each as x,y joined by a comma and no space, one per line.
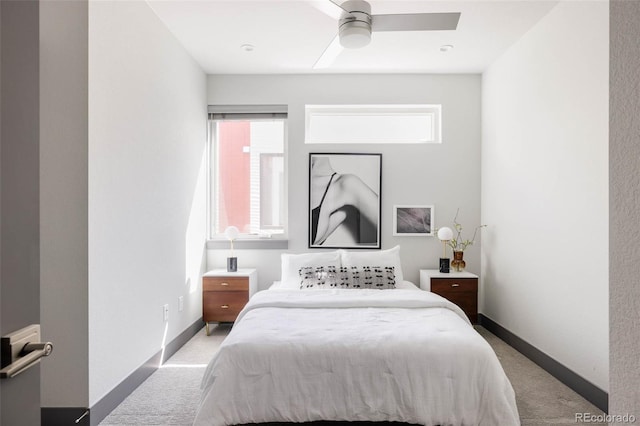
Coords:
413,221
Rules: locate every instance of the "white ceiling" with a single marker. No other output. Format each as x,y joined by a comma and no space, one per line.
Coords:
290,35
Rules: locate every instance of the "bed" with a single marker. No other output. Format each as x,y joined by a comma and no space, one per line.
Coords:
337,353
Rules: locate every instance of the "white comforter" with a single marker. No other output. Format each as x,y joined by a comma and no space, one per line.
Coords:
355,355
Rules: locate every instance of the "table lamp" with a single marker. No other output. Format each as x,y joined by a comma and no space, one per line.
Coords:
444,234
232,262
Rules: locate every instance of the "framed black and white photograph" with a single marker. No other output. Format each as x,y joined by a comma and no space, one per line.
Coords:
344,200
413,221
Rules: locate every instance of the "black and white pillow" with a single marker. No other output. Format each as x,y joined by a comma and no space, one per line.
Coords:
344,277
375,277
312,277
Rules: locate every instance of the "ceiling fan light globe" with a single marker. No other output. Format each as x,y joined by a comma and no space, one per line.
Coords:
354,37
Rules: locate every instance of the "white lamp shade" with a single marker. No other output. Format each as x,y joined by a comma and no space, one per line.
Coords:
232,233
445,234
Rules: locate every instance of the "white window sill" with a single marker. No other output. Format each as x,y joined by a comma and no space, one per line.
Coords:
249,243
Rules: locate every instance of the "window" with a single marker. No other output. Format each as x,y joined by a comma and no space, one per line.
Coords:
247,170
372,124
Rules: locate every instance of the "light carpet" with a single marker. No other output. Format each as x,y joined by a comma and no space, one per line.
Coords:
170,396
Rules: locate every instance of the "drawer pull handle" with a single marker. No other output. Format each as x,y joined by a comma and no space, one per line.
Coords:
225,306
225,284
455,285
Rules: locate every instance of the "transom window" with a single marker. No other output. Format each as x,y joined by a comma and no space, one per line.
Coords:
346,124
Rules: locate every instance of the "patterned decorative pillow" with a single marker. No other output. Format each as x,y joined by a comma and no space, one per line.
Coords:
319,277
344,277
375,277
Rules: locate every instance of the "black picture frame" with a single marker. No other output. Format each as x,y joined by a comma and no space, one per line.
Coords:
345,200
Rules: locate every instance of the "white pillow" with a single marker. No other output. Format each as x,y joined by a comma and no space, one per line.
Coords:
382,258
291,264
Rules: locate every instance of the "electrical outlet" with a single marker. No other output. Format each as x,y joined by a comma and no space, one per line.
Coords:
180,303
165,312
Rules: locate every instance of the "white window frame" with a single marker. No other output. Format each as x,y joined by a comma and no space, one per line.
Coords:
376,114
241,112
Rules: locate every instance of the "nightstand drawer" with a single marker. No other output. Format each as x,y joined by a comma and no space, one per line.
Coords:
454,285
467,301
224,293
460,288
225,284
224,306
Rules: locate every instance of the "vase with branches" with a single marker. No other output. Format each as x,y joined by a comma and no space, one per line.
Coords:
458,244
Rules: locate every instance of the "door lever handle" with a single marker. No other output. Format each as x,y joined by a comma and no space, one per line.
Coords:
30,354
45,347
21,350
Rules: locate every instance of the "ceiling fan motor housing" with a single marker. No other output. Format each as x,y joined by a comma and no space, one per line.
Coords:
355,26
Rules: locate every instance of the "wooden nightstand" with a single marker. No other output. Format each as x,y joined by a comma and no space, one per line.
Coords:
224,294
460,288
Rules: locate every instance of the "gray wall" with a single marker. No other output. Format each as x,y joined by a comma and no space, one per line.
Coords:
19,190
624,184
63,200
446,175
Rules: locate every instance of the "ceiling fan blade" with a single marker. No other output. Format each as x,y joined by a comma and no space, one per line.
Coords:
330,54
415,22
329,7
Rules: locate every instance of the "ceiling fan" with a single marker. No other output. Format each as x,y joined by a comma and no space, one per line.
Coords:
355,24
